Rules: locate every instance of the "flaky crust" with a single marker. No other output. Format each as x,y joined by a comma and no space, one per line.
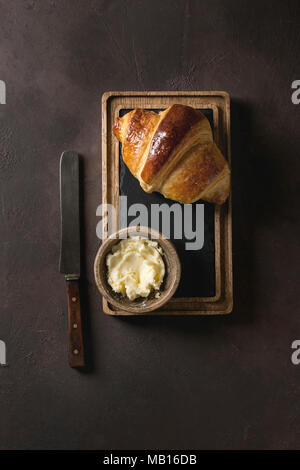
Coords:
173,152
134,130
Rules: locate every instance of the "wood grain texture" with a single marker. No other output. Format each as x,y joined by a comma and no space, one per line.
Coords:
76,348
219,102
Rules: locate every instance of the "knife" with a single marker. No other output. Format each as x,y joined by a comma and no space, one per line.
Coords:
69,263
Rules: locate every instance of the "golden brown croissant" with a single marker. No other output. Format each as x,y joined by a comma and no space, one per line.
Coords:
173,152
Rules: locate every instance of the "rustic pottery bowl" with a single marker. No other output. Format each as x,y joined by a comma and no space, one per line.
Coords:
170,282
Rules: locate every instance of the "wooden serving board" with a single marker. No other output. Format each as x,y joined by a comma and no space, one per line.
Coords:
206,282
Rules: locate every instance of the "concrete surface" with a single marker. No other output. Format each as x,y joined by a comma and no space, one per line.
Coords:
153,382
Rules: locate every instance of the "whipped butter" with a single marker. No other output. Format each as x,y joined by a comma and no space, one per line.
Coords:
135,267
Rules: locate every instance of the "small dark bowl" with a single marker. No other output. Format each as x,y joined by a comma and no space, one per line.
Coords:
141,304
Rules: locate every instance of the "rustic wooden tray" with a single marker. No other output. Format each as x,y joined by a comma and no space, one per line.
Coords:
218,297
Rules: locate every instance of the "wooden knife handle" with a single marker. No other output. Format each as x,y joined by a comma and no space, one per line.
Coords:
76,350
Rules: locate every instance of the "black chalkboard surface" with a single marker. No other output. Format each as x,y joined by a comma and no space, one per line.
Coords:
198,266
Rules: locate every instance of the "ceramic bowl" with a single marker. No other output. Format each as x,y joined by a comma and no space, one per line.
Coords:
141,304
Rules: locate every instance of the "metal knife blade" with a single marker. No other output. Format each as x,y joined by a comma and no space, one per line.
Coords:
70,216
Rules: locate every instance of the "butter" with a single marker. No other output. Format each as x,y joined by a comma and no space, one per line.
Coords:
135,267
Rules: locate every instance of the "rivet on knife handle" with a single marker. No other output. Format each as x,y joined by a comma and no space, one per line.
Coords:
76,350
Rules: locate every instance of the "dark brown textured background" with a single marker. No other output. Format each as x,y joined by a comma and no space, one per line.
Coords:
223,382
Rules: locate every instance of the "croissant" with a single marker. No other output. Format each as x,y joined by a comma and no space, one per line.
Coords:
173,153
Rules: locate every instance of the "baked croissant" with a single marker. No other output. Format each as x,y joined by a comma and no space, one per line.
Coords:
173,152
